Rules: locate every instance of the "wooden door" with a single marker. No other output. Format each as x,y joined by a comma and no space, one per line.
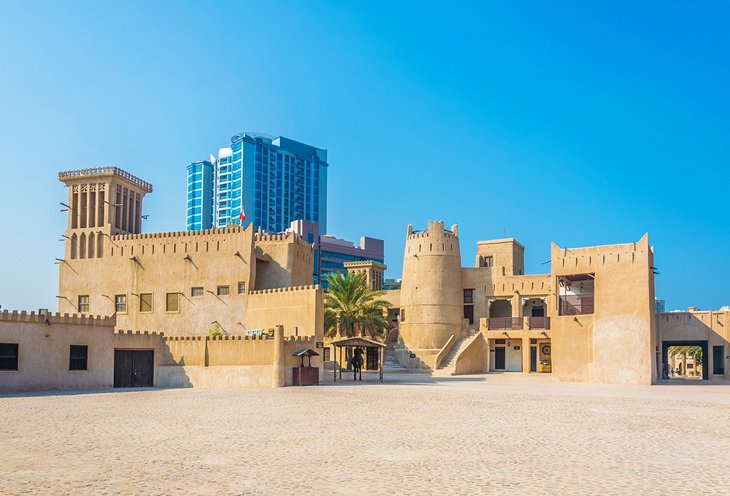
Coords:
133,368
372,359
533,358
499,358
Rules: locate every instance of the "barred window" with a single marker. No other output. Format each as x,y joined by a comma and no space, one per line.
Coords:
8,356
78,357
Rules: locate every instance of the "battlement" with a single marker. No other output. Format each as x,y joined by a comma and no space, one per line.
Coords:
592,257
230,228
284,290
107,171
435,230
138,333
57,318
260,237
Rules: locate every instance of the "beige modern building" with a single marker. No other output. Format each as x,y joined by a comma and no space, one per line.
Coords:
590,319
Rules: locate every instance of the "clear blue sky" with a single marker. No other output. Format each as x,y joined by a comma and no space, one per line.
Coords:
576,122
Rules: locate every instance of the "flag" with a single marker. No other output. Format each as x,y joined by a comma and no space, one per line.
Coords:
242,216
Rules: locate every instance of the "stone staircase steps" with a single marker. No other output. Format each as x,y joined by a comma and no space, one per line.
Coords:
449,363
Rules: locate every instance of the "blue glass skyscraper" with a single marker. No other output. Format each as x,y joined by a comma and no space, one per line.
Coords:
200,195
273,180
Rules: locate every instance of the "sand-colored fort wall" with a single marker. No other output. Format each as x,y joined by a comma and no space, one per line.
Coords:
193,361
713,327
44,351
614,344
299,309
233,361
283,260
164,263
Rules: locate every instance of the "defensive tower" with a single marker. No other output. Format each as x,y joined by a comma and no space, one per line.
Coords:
432,296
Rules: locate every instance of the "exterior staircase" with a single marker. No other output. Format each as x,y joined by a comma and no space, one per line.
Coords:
448,365
390,364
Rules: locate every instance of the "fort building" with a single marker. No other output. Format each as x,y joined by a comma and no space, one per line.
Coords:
591,319
232,279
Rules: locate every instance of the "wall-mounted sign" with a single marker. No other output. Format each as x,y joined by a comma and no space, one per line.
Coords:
320,344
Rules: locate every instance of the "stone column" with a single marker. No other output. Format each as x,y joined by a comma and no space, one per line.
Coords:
525,355
278,375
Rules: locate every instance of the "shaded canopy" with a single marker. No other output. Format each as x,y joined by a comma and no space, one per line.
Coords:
358,341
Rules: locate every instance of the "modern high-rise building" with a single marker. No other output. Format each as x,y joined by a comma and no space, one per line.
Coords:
200,194
331,254
273,180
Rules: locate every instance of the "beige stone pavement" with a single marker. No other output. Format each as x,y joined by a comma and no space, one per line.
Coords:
489,434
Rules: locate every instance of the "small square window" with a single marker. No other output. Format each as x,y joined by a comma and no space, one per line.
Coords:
83,303
8,356
78,357
120,303
196,292
145,302
241,287
223,290
172,302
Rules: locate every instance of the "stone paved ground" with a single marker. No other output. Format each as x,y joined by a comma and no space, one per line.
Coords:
477,435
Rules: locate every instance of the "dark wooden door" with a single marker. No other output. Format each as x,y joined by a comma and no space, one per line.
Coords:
533,358
718,360
499,358
133,368
372,359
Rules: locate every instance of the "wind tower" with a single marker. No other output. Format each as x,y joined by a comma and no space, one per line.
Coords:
102,201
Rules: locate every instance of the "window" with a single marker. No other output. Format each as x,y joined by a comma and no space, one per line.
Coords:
326,355
79,357
83,303
8,356
403,315
241,287
120,303
145,302
468,296
172,302
223,291
194,292
486,261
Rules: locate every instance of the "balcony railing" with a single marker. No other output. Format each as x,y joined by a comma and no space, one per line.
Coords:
539,322
496,323
576,304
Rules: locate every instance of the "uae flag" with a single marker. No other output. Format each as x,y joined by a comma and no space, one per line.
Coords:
242,216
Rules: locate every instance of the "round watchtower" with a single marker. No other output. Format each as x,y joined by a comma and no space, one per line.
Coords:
431,296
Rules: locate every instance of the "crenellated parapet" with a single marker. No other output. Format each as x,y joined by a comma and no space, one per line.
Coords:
285,290
122,332
57,318
435,230
231,228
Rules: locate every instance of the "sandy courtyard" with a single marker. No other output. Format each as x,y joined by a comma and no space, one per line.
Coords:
477,435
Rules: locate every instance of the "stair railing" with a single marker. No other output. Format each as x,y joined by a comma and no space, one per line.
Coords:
444,351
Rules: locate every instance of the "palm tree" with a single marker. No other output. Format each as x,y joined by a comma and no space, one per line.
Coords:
351,308
685,351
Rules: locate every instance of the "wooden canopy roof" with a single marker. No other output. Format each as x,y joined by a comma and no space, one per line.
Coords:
358,341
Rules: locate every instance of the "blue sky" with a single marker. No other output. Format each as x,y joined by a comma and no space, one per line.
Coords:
576,122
